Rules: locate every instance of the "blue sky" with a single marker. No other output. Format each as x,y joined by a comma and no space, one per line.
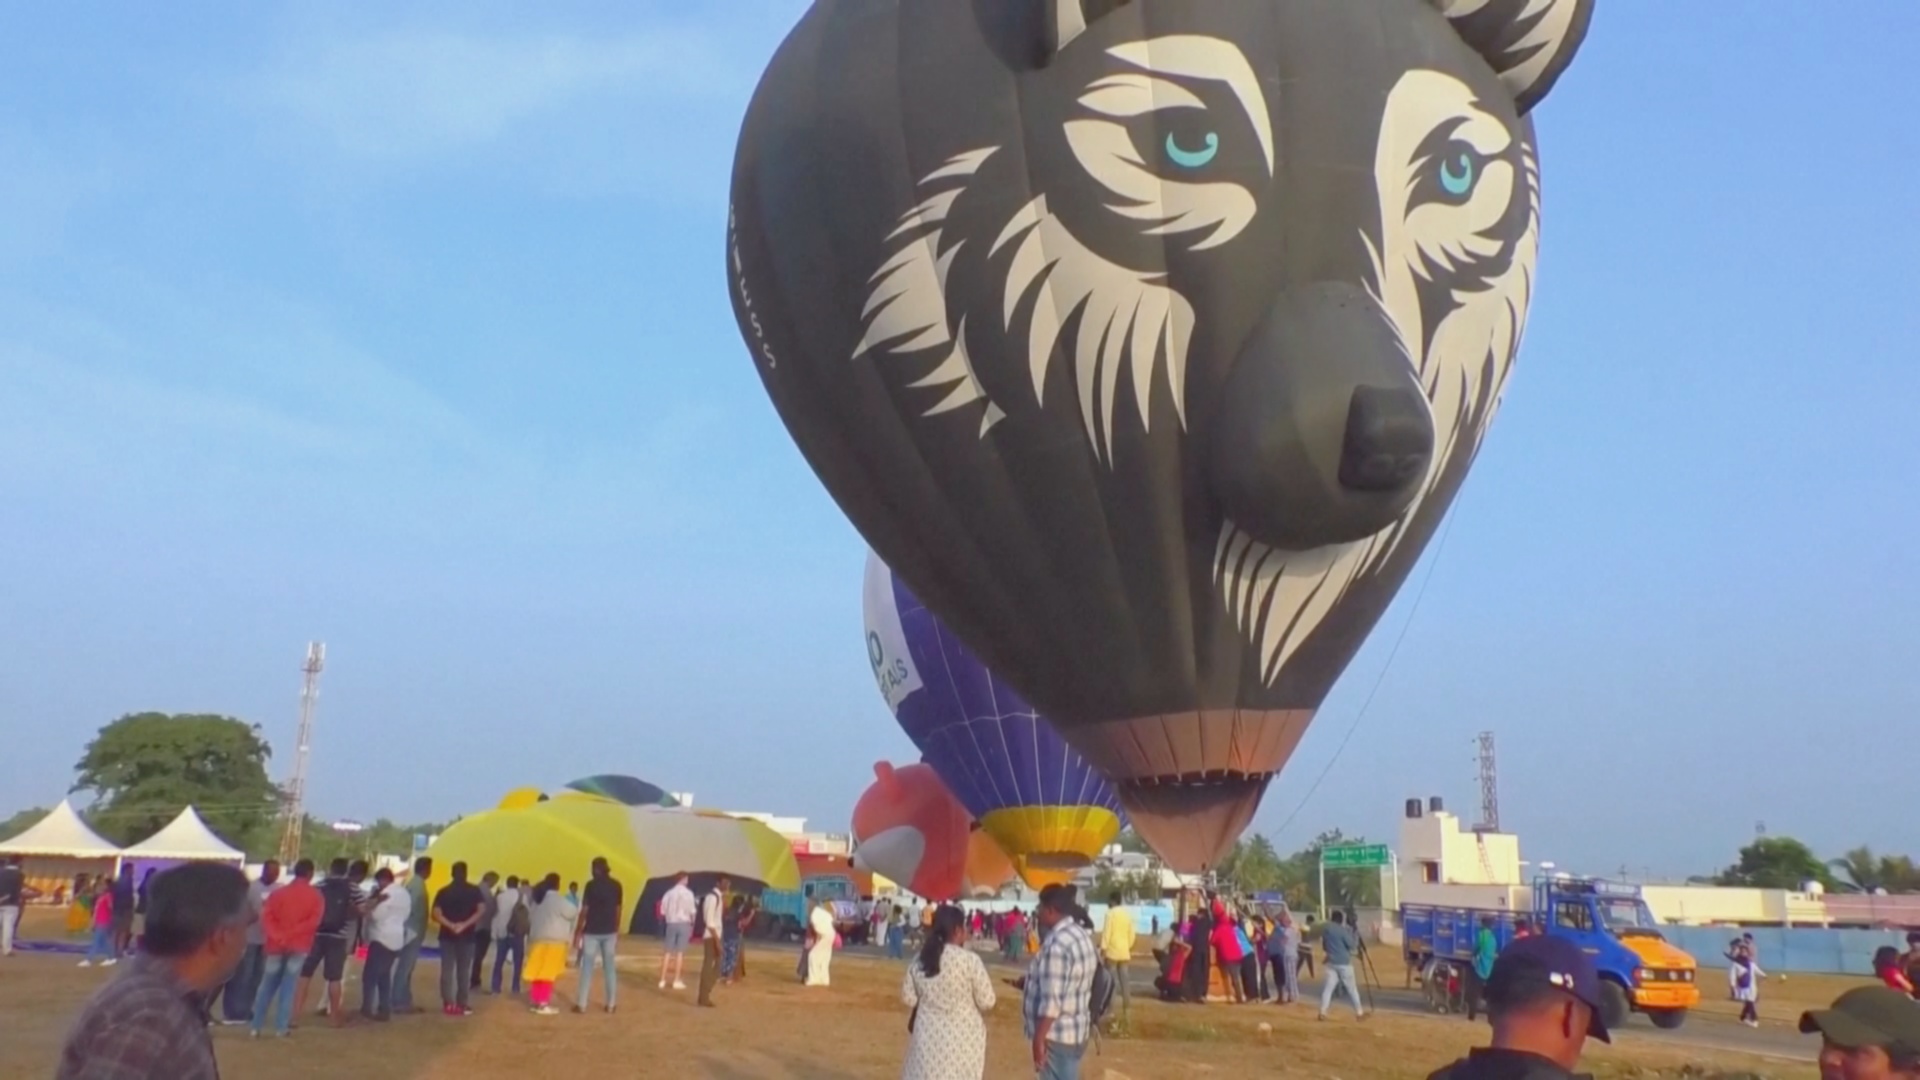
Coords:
412,336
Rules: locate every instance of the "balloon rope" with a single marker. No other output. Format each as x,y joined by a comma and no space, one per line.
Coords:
1439,549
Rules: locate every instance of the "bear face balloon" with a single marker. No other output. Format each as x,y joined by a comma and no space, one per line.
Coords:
1148,341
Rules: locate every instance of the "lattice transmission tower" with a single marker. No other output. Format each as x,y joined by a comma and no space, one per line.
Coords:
296,790
1489,786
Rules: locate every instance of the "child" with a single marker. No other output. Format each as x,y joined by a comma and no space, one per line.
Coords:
1744,977
102,944
896,934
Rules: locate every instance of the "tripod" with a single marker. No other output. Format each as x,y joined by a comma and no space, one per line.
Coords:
1369,976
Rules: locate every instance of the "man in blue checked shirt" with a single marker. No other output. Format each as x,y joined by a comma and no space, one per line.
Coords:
1058,988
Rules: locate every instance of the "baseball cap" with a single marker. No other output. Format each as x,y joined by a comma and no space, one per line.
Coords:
1868,1016
1532,964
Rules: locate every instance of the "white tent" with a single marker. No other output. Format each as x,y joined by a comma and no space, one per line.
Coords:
57,849
61,834
187,838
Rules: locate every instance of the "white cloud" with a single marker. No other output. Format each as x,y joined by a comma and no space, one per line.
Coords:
413,94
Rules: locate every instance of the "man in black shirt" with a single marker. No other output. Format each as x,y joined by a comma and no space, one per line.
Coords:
14,893
599,931
457,910
1544,1000
338,912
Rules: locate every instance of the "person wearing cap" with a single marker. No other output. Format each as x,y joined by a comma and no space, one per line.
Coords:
1869,1033
1544,1000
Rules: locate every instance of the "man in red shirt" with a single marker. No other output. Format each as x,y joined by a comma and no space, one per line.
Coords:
288,923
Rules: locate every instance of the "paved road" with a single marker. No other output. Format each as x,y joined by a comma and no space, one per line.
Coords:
1705,1033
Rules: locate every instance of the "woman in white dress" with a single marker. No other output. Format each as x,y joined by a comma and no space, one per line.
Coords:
947,988
820,950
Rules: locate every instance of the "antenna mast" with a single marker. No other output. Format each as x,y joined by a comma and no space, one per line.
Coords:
296,790
1489,786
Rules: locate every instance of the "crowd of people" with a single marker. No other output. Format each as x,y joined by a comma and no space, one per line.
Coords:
211,938
1262,958
222,949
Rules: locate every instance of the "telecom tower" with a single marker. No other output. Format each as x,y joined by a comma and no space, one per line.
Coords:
296,791
1489,803
1489,786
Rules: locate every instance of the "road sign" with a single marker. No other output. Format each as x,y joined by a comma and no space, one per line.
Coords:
1355,857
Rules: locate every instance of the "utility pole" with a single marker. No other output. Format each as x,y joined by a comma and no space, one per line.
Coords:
296,789
1489,786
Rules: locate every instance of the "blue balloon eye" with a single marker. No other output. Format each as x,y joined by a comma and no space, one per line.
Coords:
1193,159
1457,174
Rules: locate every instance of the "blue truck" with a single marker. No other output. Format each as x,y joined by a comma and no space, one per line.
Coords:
1639,970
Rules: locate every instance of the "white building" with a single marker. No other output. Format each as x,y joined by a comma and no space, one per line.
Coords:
1480,869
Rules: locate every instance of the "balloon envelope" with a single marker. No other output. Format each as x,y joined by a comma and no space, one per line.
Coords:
1038,798
907,827
564,836
630,790
1148,342
988,867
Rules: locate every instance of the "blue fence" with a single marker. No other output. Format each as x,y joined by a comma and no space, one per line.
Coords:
1798,950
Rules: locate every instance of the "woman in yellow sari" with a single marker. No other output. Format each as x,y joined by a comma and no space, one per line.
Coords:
80,907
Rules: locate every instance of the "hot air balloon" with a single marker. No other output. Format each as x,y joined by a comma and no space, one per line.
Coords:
988,867
907,827
1038,798
1148,342
623,789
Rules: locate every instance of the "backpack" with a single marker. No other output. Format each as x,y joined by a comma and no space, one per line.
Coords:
336,897
521,921
1101,993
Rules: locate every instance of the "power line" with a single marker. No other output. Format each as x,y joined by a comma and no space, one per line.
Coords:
1419,595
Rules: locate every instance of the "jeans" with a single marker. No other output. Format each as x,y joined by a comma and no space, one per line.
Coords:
481,942
1286,977
279,972
1122,986
896,942
456,971
376,981
236,998
1340,976
403,974
600,946
9,920
101,947
1063,1061
516,947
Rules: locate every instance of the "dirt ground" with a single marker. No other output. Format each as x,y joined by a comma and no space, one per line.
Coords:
771,1028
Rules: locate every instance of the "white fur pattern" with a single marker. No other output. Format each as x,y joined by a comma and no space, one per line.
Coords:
1278,597
1131,324
1130,320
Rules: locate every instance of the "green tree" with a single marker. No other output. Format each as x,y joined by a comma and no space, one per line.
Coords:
1254,866
1862,869
1776,862
21,822
1345,888
143,768
1132,885
322,843
1898,874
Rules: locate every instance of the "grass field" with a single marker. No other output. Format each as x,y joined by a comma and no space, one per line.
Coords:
772,1028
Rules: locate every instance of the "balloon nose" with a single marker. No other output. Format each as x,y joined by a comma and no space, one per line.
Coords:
1323,433
1389,440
